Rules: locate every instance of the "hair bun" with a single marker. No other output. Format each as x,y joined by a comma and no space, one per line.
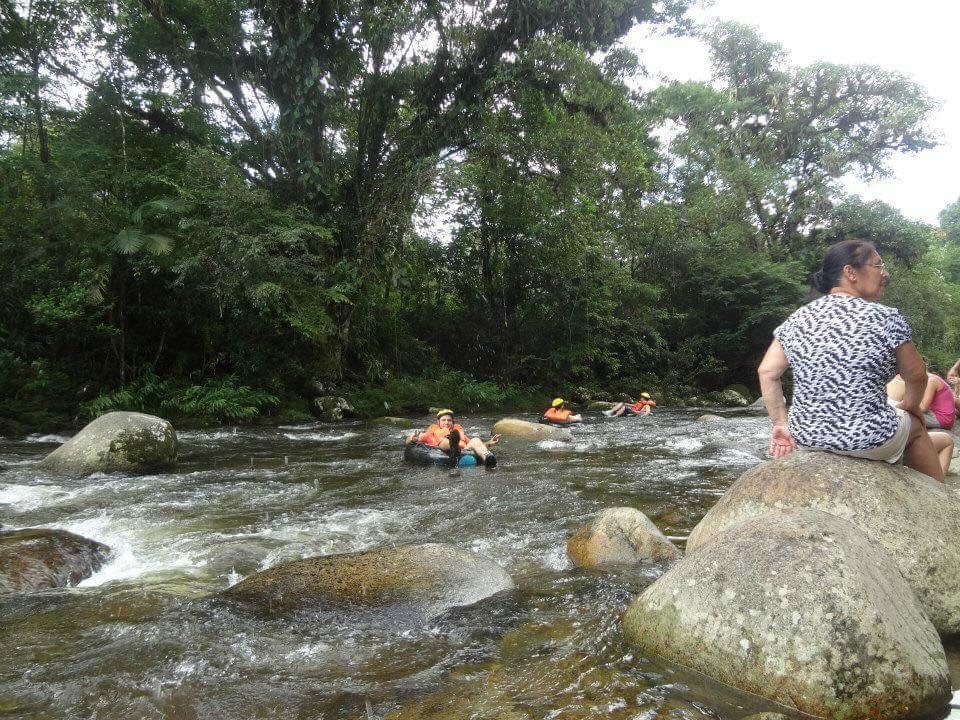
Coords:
818,281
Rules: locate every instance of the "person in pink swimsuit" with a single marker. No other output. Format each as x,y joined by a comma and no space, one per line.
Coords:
939,412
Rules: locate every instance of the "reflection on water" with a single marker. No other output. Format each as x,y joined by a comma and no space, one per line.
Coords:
147,637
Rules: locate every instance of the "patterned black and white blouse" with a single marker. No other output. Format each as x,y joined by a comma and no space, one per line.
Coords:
843,352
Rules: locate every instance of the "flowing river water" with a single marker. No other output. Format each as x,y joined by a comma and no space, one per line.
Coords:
147,636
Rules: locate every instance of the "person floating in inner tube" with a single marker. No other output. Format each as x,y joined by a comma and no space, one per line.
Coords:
450,437
643,406
559,413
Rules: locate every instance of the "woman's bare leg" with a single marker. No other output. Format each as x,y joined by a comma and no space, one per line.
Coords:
920,453
476,444
943,444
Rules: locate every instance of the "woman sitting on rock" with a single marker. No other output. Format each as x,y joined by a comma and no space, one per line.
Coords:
843,348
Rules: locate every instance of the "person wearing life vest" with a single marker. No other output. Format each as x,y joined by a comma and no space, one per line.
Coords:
643,406
560,413
450,437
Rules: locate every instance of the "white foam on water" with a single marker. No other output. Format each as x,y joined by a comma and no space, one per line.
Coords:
319,437
307,426
308,651
132,554
31,497
51,438
685,445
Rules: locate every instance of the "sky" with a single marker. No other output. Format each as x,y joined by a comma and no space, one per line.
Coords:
920,39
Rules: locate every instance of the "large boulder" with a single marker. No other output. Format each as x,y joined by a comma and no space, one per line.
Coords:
127,442
601,405
619,536
727,398
511,427
332,408
800,607
426,579
37,559
913,517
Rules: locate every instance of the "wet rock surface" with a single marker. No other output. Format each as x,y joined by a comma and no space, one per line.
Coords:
116,442
619,536
35,559
525,430
914,518
426,579
800,607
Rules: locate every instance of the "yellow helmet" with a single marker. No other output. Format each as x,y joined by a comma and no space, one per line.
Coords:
444,411
557,402
645,395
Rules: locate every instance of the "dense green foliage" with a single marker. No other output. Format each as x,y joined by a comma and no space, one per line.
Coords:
209,209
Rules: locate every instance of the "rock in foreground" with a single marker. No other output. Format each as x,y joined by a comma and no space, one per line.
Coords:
35,559
914,518
116,442
799,607
427,578
619,536
511,427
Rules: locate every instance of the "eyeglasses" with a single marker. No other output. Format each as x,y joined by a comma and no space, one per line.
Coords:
882,266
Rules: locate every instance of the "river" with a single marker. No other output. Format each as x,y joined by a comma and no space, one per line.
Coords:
146,636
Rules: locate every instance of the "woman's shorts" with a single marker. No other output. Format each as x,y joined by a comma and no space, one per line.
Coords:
892,450
931,422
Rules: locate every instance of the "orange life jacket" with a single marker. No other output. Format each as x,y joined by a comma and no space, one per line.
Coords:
560,415
639,404
434,434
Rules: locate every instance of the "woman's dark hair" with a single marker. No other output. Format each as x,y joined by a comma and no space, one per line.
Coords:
853,252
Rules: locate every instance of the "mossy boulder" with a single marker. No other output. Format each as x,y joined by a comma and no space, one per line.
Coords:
35,559
727,398
332,408
619,536
125,442
601,405
915,519
426,579
535,432
800,607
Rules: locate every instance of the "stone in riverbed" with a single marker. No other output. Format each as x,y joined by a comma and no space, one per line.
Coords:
395,421
511,427
127,442
802,608
619,536
35,559
429,579
914,518
601,405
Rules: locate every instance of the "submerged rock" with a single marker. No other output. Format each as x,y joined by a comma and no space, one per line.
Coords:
116,442
914,518
511,427
429,578
36,559
395,421
711,418
619,536
800,607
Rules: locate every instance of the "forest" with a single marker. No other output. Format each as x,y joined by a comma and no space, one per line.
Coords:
216,210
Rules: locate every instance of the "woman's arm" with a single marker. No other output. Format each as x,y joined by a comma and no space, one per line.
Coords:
929,393
953,374
914,373
772,366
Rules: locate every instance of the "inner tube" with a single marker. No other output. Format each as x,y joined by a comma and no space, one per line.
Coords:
554,423
626,413
420,454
